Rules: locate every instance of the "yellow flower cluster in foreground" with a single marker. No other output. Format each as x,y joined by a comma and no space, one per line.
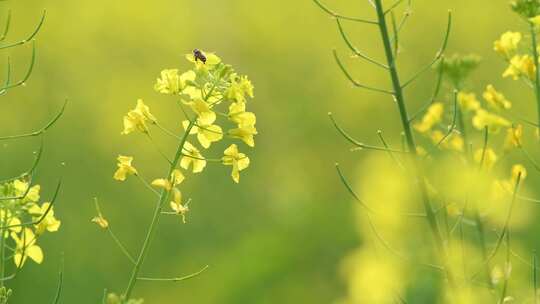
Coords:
214,100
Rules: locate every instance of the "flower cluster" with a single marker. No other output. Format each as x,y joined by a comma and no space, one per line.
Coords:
24,219
214,99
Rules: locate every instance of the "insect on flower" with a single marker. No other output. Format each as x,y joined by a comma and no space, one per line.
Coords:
199,56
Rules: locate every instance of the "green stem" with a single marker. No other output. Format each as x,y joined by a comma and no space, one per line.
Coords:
3,249
155,219
398,94
536,64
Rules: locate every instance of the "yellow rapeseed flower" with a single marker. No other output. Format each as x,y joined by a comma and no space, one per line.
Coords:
124,168
508,43
432,117
238,115
49,222
513,138
489,157
206,134
177,177
468,101
535,20
26,248
173,83
238,161
244,133
518,169
205,115
137,118
239,88
494,122
192,157
496,100
521,65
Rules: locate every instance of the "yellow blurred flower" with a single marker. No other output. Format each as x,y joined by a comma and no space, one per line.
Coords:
173,83
49,222
489,157
137,118
494,122
535,20
468,101
495,99
517,170
124,168
238,161
192,157
453,142
521,65
26,248
513,138
508,43
432,117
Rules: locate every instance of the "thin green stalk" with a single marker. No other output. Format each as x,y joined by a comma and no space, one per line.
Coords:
155,218
536,64
3,250
398,95
535,278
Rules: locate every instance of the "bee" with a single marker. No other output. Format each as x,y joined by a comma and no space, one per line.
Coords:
199,56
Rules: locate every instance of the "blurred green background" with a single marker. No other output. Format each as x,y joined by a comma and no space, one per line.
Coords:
278,236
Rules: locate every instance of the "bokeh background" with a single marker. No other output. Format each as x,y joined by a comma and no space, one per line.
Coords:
281,234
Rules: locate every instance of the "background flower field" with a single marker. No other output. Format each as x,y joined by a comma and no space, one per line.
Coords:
281,235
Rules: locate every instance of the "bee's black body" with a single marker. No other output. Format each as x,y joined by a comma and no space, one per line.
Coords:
199,56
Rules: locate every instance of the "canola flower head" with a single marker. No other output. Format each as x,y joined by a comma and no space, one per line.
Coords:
493,122
138,118
125,168
206,133
431,118
495,99
508,43
192,158
487,157
513,137
521,66
26,247
238,161
468,101
49,222
173,83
